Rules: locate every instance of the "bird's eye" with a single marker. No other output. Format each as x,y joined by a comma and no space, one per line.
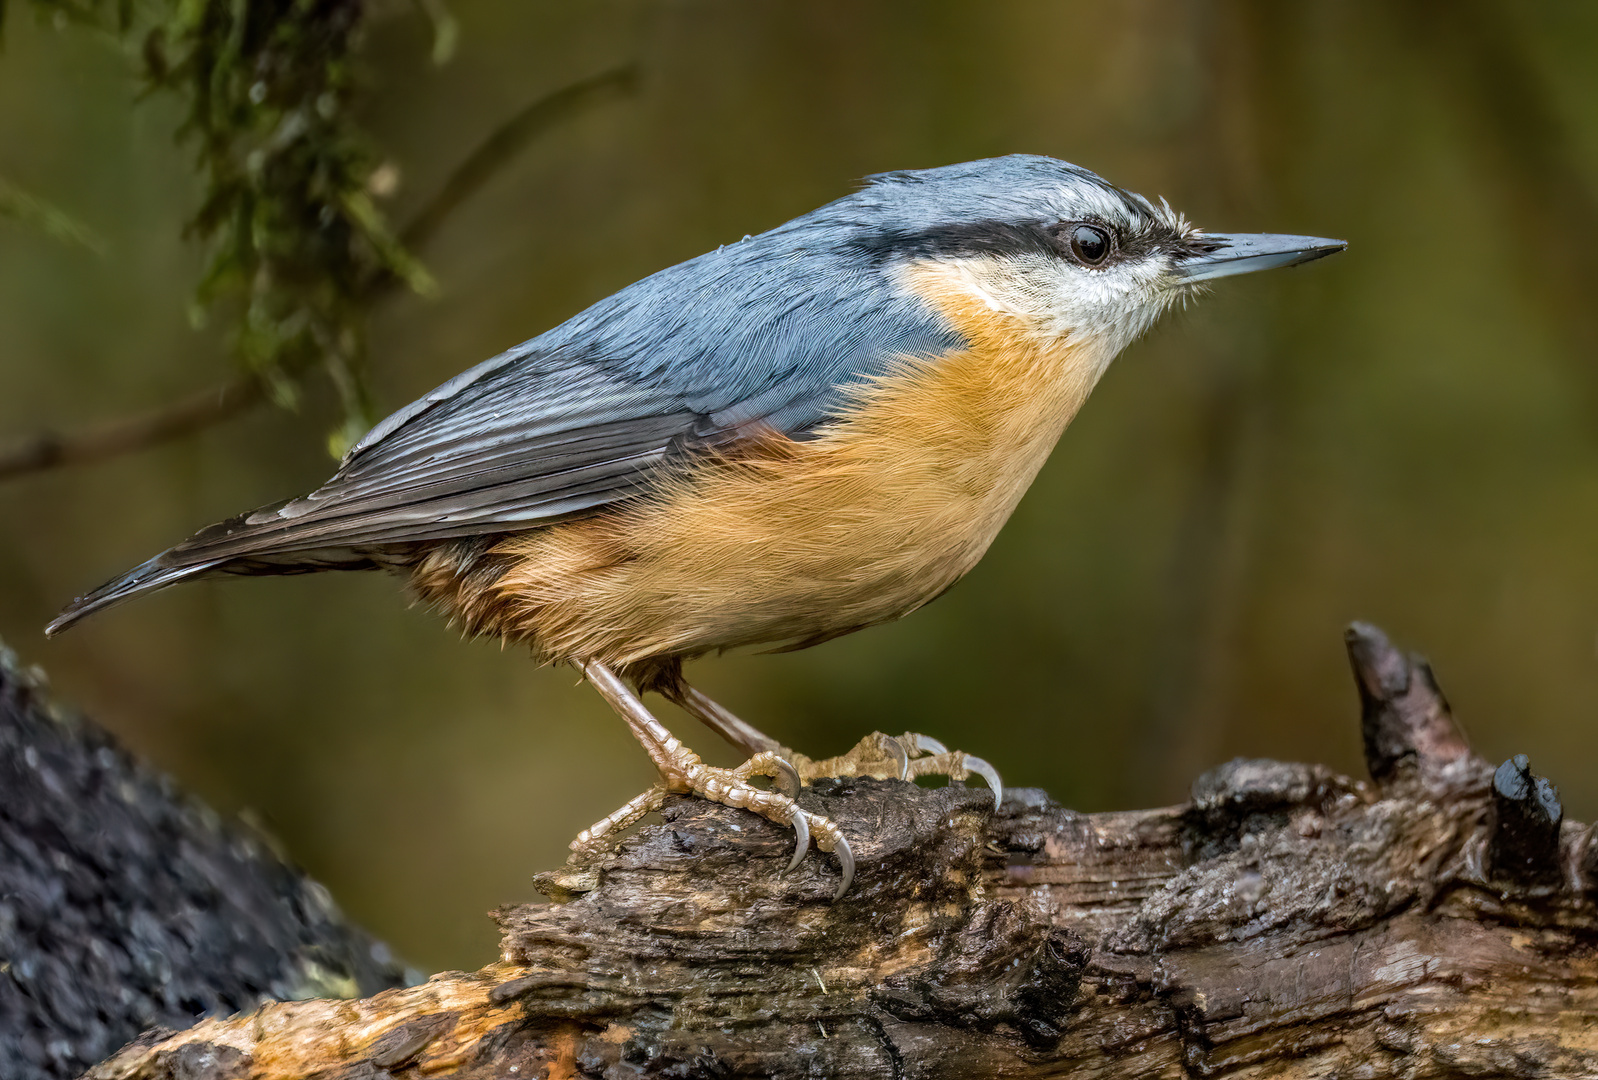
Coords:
1091,245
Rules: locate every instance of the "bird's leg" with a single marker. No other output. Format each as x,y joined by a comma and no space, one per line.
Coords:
721,720
885,757
729,726
682,772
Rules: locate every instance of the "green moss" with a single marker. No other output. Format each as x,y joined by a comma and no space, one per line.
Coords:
297,248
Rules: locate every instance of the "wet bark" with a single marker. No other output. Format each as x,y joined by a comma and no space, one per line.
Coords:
1437,920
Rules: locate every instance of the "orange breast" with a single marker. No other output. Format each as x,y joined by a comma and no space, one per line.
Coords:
802,541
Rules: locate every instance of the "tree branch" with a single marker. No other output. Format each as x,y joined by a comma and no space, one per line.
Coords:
508,140
1286,922
196,412
209,407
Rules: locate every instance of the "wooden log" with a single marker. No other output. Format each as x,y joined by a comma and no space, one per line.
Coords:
1286,922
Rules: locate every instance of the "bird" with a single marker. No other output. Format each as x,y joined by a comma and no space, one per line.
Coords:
801,434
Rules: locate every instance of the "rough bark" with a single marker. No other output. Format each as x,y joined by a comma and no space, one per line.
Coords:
124,905
1437,921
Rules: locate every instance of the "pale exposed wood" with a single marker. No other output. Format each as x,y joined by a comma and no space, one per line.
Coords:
1287,922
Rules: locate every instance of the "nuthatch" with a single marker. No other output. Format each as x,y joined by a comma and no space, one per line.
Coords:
787,439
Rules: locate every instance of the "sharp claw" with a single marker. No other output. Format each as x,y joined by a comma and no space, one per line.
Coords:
801,829
928,745
988,773
901,755
788,781
846,864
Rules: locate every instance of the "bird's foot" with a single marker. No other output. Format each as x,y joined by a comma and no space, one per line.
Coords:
687,774
682,772
901,757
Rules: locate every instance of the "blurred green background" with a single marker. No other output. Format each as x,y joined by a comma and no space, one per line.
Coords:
1407,433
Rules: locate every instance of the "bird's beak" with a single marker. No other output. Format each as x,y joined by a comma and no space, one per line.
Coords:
1248,252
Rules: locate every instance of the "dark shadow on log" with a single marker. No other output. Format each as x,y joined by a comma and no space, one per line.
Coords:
125,906
1286,921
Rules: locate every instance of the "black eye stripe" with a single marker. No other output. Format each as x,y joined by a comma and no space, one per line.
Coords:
1052,238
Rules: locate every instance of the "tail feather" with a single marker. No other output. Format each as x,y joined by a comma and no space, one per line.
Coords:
223,548
148,577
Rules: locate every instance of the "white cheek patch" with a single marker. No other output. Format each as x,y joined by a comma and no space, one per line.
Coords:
1055,298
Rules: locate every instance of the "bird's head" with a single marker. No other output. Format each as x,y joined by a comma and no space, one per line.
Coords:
1054,246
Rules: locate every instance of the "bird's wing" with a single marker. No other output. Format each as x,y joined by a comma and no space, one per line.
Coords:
578,418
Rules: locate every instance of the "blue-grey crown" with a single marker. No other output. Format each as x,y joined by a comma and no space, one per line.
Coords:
996,206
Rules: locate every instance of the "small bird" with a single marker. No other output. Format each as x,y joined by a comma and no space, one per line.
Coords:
790,438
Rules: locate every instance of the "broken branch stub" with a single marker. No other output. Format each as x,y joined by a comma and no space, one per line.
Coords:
1408,728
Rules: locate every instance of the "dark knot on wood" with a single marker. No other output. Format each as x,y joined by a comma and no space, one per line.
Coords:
1523,832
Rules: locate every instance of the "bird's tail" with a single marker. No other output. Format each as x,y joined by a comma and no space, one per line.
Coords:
158,573
248,544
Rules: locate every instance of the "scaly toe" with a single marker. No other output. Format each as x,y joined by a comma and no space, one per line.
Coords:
731,787
877,755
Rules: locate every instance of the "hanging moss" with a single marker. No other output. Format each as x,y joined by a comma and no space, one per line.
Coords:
295,241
